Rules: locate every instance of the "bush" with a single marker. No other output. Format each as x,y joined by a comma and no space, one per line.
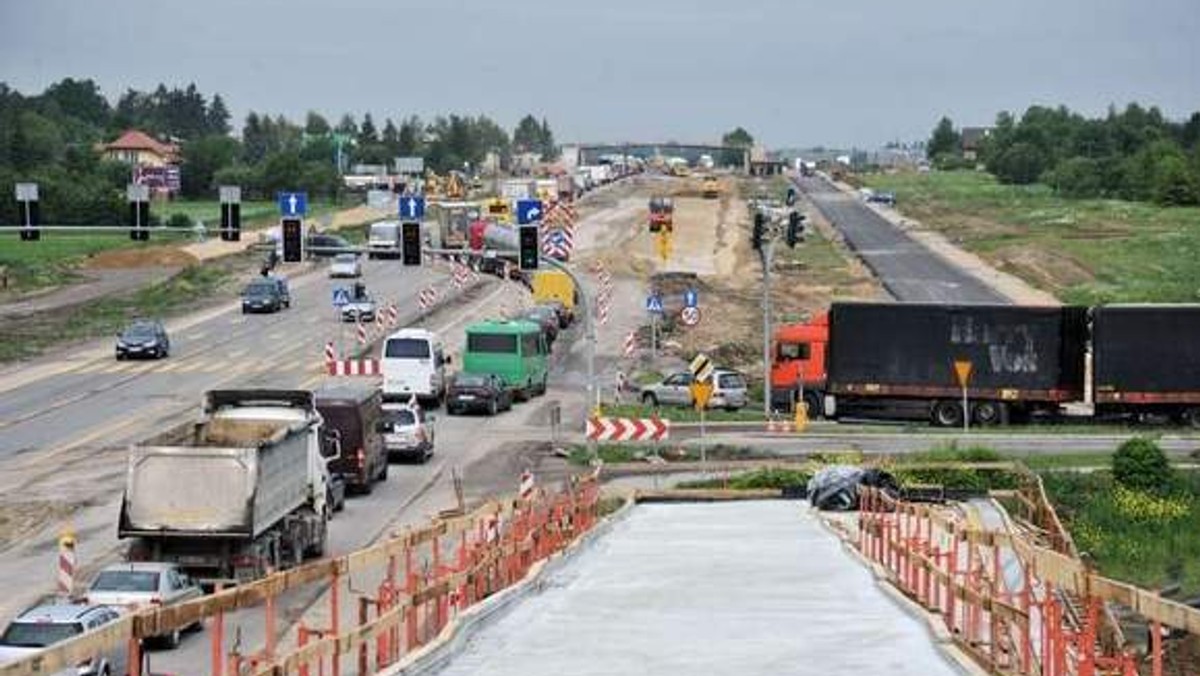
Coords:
178,220
1140,464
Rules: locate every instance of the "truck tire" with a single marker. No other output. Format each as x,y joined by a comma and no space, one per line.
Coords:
1191,417
947,413
813,402
988,413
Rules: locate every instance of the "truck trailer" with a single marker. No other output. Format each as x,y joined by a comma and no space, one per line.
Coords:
897,360
240,492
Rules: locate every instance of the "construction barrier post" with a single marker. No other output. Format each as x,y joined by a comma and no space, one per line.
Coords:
335,610
363,617
301,641
1156,656
218,638
66,563
135,657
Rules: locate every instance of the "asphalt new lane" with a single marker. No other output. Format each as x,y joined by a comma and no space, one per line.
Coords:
909,271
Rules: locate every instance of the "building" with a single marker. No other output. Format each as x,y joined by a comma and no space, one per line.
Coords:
141,150
972,141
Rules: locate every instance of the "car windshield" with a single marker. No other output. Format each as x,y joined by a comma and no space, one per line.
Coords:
399,418
139,332
39,634
260,289
126,581
470,380
345,258
407,348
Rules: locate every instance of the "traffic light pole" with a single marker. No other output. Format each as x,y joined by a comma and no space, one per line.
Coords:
767,252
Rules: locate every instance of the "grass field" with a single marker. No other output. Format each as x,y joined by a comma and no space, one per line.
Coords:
209,211
1083,251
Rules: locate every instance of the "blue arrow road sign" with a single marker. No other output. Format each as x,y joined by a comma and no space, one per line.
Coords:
412,207
529,211
691,298
654,304
293,203
341,297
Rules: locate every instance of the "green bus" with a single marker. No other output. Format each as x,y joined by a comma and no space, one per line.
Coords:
514,350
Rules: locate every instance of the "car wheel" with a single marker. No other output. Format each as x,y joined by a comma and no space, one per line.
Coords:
383,473
493,407
171,640
120,357
648,399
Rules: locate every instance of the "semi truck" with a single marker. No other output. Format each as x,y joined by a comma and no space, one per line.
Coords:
241,492
902,361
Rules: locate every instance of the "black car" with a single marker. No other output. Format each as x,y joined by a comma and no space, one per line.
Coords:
143,338
322,244
269,294
478,392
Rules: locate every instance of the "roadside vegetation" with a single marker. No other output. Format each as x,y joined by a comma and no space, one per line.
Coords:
1082,250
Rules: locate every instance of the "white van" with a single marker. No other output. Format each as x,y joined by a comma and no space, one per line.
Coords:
383,240
414,363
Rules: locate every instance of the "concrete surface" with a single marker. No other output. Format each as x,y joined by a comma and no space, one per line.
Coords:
908,270
692,589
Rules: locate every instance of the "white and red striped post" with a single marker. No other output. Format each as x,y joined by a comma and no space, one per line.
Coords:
66,563
330,353
630,343
392,314
526,486
362,333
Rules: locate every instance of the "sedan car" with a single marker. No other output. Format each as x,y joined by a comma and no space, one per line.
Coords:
134,585
143,338
478,392
729,391
45,625
360,308
325,245
407,432
268,294
345,265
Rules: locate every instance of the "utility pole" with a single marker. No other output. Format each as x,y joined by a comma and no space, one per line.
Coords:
766,253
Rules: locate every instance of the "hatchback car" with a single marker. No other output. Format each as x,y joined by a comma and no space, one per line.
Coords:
324,245
407,432
48,624
143,338
729,391
268,294
478,392
143,583
361,306
345,265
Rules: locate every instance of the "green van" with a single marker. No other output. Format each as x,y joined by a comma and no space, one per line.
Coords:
514,350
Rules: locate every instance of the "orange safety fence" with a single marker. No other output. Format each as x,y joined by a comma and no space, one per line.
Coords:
404,591
1048,623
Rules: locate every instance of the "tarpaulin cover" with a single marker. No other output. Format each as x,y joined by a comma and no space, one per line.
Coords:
739,589
836,488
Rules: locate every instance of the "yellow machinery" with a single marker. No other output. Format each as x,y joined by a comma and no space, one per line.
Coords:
711,188
499,209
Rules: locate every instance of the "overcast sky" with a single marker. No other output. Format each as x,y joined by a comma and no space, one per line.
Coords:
793,72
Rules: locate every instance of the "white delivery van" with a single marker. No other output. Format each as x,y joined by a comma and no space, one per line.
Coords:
414,364
383,239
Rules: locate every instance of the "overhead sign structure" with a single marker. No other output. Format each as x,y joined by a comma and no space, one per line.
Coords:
341,297
529,211
701,368
691,298
654,304
293,203
690,315
412,207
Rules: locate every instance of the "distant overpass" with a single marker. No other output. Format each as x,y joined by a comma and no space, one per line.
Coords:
590,153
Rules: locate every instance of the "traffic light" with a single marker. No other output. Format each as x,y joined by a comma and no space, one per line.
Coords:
231,221
293,240
139,221
795,228
529,246
30,217
760,229
410,243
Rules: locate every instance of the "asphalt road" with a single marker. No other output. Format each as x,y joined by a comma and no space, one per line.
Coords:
908,271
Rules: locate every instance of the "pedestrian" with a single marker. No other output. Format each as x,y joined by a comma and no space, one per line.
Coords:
621,383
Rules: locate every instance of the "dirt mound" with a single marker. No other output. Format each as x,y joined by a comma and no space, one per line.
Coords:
1048,269
148,257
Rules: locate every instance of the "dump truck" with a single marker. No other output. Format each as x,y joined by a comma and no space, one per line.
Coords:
898,360
241,492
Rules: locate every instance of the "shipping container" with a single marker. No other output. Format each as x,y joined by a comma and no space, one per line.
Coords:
1147,359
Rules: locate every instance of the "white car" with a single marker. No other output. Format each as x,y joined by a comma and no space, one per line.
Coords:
137,584
52,623
346,265
407,432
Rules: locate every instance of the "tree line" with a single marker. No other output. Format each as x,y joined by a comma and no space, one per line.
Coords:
1133,154
52,139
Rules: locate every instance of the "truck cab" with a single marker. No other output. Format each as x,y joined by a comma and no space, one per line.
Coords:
798,365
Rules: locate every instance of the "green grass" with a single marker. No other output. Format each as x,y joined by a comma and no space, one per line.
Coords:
50,261
209,211
1151,542
682,414
622,453
1084,251
758,479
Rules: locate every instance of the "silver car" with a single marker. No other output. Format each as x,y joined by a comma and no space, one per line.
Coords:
138,584
346,265
729,391
48,624
407,432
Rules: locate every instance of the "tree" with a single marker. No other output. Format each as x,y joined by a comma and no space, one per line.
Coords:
546,137
254,139
1023,163
1140,464
202,158
80,99
35,141
347,125
315,124
739,140
366,132
527,137
218,116
409,140
1079,177
391,137
945,140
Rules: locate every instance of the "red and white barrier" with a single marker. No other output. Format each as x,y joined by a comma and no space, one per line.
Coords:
353,367
330,352
525,488
780,426
628,429
362,332
630,343
427,297
66,564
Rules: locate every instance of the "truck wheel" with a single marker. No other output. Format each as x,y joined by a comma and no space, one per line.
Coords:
988,413
813,403
1191,417
947,414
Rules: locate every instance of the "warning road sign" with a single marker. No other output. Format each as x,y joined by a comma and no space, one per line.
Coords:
701,393
701,368
962,370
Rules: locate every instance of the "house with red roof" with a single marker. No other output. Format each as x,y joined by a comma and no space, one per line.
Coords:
141,150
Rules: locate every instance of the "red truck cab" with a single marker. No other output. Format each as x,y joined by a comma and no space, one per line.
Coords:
798,364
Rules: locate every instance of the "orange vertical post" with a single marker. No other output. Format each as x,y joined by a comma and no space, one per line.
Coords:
1026,639
218,638
335,666
410,585
1087,651
951,596
301,641
1156,656
270,621
363,618
437,577
134,665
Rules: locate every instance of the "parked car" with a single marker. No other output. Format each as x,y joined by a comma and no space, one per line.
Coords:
729,391
478,392
268,294
407,432
322,244
361,307
143,338
143,583
48,624
345,265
